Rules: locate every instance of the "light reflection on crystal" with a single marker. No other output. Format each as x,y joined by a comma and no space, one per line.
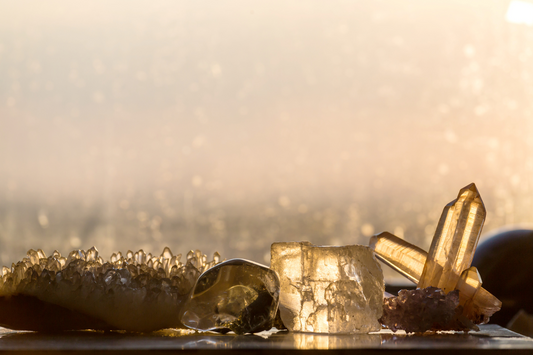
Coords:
327,289
455,240
409,263
451,253
402,256
237,295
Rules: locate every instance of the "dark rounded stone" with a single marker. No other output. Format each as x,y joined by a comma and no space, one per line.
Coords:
505,263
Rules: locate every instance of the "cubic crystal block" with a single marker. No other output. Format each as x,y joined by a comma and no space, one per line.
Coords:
326,289
455,240
408,259
139,292
237,295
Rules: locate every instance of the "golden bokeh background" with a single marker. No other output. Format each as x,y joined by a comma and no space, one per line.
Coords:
230,125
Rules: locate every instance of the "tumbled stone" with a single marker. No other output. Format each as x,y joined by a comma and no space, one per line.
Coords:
139,292
237,295
426,309
328,289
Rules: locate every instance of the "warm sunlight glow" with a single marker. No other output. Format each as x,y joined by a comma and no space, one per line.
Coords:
520,12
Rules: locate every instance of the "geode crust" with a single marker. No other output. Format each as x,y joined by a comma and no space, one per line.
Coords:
135,292
426,309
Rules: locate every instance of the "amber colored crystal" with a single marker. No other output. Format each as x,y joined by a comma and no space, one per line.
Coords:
409,260
328,289
469,283
404,257
455,240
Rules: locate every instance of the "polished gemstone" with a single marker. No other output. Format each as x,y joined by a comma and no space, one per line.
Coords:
237,295
326,289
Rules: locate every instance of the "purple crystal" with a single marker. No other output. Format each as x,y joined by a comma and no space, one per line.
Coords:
426,309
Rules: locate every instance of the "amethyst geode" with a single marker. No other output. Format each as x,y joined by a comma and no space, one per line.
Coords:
426,309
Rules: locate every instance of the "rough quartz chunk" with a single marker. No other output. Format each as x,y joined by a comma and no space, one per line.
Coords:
326,289
237,295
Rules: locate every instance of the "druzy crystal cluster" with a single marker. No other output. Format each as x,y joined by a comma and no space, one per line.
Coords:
416,311
135,291
446,266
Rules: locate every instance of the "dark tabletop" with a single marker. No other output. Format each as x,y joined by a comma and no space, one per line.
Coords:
491,339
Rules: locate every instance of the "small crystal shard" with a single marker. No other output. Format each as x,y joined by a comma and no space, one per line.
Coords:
453,246
91,255
328,289
420,310
237,295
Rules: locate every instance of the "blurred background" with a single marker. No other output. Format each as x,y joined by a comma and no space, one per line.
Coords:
226,126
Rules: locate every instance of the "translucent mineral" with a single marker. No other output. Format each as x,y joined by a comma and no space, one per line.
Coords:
478,304
136,291
327,289
237,295
447,265
404,257
453,246
420,310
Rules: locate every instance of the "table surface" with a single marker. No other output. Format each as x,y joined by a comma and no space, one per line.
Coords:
490,339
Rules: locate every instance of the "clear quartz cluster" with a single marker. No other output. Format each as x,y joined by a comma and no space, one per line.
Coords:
326,289
447,265
237,295
136,291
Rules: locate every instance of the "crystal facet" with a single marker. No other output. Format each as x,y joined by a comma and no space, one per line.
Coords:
408,259
455,240
327,289
237,295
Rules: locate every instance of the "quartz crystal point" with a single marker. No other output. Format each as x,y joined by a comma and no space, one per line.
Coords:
237,295
453,246
402,256
409,261
327,289
135,292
